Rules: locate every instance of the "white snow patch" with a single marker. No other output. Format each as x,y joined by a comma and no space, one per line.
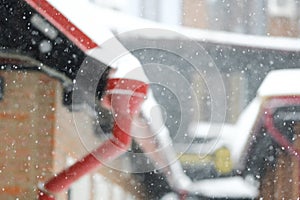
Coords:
94,21
281,82
239,139
170,196
232,187
210,130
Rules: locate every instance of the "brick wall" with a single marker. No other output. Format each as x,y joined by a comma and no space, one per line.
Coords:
27,133
280,26
38,135
195,13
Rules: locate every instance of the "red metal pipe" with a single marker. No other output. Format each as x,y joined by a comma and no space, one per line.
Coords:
269,110
277,135
125,97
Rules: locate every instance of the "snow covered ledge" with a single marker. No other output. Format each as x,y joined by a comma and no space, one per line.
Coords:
231,187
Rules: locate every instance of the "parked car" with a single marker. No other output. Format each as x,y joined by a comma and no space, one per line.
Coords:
253,145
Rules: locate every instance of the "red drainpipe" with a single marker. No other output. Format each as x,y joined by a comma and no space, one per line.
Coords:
125,98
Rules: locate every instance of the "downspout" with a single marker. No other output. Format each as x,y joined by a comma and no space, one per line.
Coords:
125,97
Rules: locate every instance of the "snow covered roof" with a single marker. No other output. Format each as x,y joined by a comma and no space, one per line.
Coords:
280,83
92,20
95,21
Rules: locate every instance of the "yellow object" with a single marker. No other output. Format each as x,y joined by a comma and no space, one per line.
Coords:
222,160
195,159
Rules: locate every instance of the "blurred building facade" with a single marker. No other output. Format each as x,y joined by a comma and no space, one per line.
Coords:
258,17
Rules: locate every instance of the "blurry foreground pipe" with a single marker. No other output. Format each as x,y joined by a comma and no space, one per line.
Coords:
125,97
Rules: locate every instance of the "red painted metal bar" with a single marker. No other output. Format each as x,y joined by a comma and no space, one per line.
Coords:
277,135
125,97
270,125
63,24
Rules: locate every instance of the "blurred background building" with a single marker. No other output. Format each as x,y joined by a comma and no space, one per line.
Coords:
255,17
258,17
